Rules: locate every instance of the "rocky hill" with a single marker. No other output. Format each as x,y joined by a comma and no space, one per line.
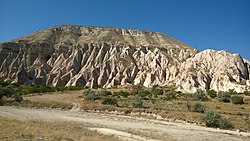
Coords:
104,56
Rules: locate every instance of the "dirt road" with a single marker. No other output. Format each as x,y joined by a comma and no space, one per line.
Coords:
127,128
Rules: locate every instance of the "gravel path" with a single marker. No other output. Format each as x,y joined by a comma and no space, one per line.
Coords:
126,127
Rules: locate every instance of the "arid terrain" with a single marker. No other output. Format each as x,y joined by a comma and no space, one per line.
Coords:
68,55
71,82
125,127
67,109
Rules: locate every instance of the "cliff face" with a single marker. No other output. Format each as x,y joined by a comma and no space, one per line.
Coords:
105,56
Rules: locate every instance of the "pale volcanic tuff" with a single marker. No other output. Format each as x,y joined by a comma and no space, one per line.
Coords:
70,55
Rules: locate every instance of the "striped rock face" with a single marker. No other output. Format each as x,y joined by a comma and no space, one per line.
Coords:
103,56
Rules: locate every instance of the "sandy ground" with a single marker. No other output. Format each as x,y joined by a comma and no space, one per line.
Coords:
126,127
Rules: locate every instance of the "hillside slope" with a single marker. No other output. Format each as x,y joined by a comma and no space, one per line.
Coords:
69,55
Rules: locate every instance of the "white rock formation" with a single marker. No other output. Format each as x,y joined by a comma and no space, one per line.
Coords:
104,56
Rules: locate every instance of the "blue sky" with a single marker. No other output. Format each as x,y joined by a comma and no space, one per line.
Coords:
203,24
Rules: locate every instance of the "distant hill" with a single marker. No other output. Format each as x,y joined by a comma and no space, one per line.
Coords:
106,57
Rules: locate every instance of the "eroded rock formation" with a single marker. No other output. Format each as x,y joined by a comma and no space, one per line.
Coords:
104,56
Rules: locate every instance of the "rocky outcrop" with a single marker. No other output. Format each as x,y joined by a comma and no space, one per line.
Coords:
104,56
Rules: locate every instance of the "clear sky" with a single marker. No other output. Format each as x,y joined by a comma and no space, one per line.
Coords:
203,24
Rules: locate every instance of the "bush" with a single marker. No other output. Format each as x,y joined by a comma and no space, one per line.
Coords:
200,95
212,93
137,102
122,93
6,91
247,91
140,91
17,97
36,88
110,101
198,107
237,99
4,83
223,96
169,95
156,91
104,93
214,119
71,88
90,95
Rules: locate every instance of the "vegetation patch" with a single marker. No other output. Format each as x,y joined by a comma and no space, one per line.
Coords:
237,99
198,107
214,119
170,95
224,96
212,93
91,95
15,91
137,102
110,101
200,95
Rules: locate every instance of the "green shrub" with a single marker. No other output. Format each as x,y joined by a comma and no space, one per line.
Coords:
140,91
71,88
198,107
6,91
5,83
145,93
155,92
247,91
110,101
122,93
137,89
214,119
17,97
200,95
223,96
169,95
90,95
36,88
237,99
212,93
104,93
137,102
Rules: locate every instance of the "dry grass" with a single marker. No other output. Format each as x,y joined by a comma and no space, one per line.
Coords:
238,115
15,130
